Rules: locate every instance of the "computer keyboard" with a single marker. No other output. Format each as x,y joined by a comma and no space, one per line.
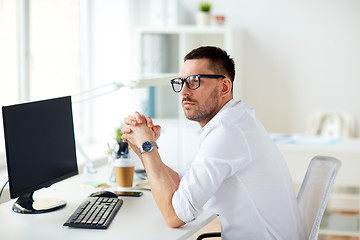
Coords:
95,212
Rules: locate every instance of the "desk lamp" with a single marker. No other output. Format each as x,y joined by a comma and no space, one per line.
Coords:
143,82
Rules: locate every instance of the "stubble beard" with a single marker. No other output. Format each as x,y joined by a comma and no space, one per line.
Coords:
204,111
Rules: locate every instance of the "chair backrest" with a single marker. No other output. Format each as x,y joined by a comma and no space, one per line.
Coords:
314,192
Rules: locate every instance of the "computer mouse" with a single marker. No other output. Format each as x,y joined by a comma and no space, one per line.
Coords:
104,194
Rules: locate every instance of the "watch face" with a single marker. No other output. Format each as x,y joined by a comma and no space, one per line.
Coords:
147,146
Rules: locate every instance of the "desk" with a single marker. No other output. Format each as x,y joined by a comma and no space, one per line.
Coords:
138,218
347,151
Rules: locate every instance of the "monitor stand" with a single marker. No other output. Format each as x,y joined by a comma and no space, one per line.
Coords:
26,204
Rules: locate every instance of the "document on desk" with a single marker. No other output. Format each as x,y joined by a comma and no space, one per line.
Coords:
142,185
302,139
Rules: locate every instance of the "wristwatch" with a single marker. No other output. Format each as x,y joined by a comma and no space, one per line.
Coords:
147,146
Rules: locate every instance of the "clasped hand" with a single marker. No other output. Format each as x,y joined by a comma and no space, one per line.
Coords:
137,129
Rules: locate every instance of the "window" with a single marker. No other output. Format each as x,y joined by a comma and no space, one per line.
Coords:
54,52
71,46
8,61
8,49
54,44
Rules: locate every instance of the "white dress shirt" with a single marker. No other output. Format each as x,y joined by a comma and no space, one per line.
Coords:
239,174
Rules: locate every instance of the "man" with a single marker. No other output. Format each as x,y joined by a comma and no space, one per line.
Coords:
237,173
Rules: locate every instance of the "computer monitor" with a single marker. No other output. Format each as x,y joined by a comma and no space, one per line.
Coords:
40,150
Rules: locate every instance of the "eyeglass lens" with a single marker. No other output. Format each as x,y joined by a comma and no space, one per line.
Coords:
177,84
192,82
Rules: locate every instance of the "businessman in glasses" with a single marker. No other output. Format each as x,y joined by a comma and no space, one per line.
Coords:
237,173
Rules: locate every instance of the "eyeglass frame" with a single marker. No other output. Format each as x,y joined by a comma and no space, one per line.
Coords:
214,76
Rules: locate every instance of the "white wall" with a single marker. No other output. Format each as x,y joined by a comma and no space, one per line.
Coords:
299,56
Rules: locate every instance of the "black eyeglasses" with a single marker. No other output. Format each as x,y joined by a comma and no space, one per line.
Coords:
192,81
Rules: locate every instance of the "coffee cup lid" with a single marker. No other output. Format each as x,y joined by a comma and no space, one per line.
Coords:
123,162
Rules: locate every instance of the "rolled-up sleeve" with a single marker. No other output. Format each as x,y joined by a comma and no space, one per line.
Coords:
183,208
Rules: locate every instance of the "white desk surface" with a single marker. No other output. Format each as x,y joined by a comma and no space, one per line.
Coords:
138,218
298,157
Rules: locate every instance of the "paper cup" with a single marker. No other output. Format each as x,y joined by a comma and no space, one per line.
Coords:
124,169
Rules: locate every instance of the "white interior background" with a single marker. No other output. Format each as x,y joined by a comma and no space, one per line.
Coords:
298,56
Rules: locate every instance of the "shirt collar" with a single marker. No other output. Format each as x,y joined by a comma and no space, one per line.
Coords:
229,104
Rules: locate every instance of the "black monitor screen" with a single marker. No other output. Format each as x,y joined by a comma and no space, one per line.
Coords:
40,144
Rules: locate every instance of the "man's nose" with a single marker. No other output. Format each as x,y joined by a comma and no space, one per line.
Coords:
185,90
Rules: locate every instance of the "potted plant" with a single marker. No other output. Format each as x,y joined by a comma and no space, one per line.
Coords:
118,134
203,16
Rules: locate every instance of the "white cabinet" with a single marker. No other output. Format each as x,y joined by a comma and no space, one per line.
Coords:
160,50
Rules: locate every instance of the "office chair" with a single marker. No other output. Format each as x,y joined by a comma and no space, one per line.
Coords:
313,195
208,235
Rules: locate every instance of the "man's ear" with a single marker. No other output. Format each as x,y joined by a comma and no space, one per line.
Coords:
226,87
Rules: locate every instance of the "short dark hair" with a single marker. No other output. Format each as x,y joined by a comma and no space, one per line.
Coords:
219,60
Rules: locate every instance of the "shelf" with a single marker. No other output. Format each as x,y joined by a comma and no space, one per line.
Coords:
160,51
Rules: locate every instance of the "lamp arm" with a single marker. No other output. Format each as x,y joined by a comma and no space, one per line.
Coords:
116,86
89,166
